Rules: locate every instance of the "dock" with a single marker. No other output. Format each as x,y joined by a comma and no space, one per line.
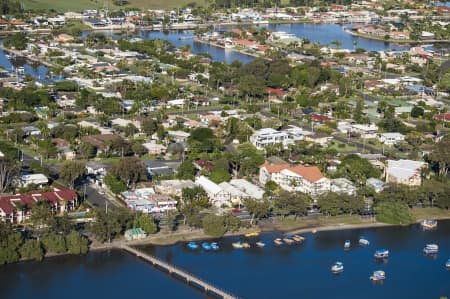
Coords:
183,275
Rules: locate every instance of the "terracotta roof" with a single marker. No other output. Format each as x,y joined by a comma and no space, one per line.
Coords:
443,116
311,173
274,167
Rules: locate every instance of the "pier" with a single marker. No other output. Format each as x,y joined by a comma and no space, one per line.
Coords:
190,279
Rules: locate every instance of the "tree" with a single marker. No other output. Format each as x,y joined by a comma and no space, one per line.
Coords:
398,193
393,213
186,170
114,184
8,172
232,223
257,208
42,217
130,170
76,243
214,225
72,171
195,196
54,243
441,154
146,222
10,242
32,249
357,169
337,203
287,203
220,175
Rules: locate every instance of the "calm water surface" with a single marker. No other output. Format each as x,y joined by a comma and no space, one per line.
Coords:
297,271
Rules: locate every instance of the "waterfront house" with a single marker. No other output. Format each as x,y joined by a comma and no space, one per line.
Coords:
17,208
251,189
406,172
305,179
217,196
342,185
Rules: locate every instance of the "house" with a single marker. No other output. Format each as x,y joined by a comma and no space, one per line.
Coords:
391,138
236,195
251,189
36,179
135,234
178,136
268,137
96,169
305,179
154,148
203,165
445,117
406,172
378,185
174,187
217,196
342,185
319,138
31,131
101,141
17,208
145,200
158,168
365,131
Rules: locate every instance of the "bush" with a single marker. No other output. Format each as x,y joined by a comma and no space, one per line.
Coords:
32,249
54,243
76,243
214,225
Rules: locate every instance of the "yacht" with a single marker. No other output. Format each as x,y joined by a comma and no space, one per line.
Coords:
278,241
260,244
347,244
298,238
381,254
429,223
447,264
378,275
338,267
431,249
363,241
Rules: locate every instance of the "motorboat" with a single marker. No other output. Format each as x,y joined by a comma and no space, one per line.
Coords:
363,241
245,245
429,223
260,244
21,70
337,267
206,246
447,264
381,254
289,240
253,234
278,241
215,246
237,245
298,238
378,275
347,244
431,249
192,245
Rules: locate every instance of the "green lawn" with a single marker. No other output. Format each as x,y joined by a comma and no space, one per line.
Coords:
80,5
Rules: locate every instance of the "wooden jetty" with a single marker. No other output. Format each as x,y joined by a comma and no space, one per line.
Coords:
179,273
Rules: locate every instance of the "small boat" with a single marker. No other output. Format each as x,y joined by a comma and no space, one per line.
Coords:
381,254
288,240
447,264
237,245
298,238
254,234
260,244
278,241
206,246
431,249
215,246
378,275
245,245
338,267
429,223
347,244
192,245
21,70
363,241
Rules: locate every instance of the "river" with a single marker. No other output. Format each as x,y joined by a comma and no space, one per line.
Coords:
301,271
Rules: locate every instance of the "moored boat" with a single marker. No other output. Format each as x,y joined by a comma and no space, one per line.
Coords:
298,238
192,245
337,267
237,245
288,240
206,246
215,246
253,234
381,254
447,264
363,241
260,244
245,245
429,223
378,275
431,249
278,241
347,244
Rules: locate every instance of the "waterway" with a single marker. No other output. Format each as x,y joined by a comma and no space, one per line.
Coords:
296,271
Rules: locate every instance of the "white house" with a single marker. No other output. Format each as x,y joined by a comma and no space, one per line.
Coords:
268,136
174,187
366,131
216,194
390,138
377,184
236,195
245,186
406,172
342,185
154,148
37,179
178,136
305,179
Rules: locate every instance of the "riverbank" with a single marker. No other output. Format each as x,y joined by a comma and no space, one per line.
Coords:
196,39
397,41
27,57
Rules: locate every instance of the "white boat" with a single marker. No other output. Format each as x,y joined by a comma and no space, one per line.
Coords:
237,245
260,21
378,275
338,267
447,264
260,244
429,223
363,241
278,241
21,70
347,244
431,249
381,254
288,241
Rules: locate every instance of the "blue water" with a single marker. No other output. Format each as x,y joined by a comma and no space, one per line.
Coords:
295,271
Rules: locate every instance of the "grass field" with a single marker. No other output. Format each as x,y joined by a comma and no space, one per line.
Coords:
80,5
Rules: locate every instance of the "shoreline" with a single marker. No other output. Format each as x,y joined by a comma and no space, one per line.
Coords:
397,41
